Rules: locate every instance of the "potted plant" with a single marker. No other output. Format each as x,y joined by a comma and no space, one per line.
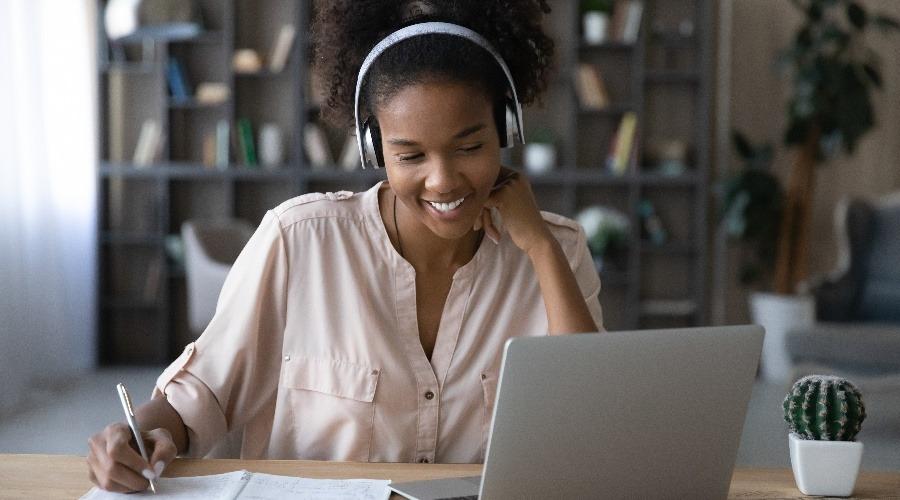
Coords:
607,231
540,151
832,73
595,20
824,414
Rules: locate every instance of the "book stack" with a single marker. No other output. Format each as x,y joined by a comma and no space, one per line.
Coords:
590,87
622,150
626,20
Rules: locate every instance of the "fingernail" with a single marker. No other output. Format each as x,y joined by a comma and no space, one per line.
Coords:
159,468
147,473
494,239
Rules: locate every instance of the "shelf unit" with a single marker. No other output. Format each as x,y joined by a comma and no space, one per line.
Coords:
143,298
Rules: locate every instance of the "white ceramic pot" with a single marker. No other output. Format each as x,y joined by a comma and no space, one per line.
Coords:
780,314
539,157
594,27
827,468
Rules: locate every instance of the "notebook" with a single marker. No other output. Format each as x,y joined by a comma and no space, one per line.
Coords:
244,484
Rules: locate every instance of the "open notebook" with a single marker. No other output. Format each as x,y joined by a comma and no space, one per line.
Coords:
247,485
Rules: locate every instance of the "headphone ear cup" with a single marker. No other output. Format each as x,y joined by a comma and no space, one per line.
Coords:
507,125
512,125
372,152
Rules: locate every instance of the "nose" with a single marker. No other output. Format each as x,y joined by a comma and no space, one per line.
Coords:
443,177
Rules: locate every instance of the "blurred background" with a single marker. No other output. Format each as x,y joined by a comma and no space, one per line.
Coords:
732,161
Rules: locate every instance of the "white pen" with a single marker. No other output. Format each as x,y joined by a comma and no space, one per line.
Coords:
129,416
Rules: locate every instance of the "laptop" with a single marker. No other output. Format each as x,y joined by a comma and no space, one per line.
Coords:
640,414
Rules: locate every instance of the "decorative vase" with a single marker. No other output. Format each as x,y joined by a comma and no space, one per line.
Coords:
779,315
594,26
827,468
539,157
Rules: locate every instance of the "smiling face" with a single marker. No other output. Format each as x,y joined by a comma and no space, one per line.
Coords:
441,153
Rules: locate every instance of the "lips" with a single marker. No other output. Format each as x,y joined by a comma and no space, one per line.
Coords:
445,211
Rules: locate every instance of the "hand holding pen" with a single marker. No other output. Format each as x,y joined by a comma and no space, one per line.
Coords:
113,462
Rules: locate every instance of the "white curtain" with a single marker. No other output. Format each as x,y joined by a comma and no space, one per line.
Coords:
48,193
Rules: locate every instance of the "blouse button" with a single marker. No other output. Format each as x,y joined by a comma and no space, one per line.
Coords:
429,395
287,358
483,376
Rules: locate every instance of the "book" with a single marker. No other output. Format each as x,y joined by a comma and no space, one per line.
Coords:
222,141
239,157
256,485
148,143
116,117
179,87
209,150
245,139
590,87
622,150
349,159
282,48
316,145
617,22
632,25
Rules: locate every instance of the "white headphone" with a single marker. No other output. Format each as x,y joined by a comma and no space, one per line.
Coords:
368,135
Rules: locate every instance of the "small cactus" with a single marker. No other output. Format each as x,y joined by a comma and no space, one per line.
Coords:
824,408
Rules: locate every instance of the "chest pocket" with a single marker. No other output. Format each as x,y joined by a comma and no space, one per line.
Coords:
332,407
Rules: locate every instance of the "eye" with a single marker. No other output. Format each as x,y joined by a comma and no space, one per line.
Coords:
409,158
469,149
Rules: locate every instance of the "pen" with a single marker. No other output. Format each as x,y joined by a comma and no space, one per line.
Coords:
129,416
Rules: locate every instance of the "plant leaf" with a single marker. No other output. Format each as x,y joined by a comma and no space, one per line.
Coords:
886,23
857,15
742,145
873,74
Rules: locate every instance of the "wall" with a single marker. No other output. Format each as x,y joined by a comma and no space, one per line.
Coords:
760,28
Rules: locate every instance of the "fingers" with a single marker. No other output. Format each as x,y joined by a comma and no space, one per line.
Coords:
113,464
488,223
162,449
477,225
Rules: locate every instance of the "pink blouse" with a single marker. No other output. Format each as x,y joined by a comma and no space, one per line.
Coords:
314,351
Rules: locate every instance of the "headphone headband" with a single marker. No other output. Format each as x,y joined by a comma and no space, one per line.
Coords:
430,28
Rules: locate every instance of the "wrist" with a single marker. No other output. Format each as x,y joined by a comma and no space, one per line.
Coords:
542,248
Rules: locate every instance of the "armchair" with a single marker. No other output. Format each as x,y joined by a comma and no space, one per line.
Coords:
858,306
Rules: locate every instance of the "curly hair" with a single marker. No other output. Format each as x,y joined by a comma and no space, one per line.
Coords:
344,31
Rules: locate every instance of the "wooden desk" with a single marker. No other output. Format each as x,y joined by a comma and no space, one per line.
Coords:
65,476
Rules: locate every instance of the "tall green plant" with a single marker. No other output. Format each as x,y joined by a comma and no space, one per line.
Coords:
832,73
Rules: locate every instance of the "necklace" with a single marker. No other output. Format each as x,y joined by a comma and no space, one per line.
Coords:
397,228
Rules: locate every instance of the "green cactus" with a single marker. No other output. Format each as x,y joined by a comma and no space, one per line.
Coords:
824,408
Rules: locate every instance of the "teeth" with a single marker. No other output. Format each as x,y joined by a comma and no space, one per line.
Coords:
446,207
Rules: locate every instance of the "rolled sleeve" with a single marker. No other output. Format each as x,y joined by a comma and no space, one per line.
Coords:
231,372
588,279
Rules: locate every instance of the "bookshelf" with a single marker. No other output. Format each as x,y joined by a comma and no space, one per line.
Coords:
664,78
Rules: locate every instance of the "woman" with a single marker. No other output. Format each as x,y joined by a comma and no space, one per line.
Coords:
369,326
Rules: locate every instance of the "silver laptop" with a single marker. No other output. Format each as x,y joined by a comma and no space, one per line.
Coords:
643,414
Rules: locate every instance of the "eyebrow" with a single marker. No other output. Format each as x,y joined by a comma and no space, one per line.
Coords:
463,133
